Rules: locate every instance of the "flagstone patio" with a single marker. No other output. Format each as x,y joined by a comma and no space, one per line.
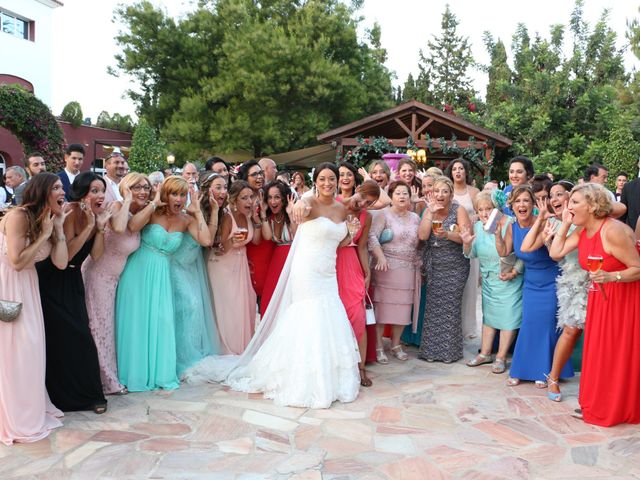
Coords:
419,421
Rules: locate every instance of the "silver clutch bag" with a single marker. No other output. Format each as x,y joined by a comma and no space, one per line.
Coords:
9,311
507,263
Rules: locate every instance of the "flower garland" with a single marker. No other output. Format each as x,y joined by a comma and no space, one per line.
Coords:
31,121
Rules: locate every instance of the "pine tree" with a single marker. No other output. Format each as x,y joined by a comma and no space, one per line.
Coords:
444,67
410,91
147,153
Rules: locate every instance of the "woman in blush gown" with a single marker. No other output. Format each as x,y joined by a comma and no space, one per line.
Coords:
305,321
233,296
28,234
145,314
101,276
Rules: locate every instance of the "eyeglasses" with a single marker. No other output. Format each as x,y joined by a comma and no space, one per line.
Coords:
137,188
256,174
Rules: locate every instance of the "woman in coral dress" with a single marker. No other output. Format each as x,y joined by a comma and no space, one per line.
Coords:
610,379
101,276
278,228
28,234
352,267
233,295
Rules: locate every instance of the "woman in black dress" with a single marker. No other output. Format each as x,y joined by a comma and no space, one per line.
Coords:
73,372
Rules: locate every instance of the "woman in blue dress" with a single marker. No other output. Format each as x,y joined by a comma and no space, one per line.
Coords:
145,315
537,338
501,285
196,332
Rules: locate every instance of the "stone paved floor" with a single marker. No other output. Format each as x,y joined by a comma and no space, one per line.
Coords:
418,421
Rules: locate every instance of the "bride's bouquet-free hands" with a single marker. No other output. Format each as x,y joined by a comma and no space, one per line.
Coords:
301,210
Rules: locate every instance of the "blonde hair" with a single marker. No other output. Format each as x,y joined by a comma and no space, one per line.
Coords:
445,180
435,171
383,164
597,197
482,197
131,179
172,185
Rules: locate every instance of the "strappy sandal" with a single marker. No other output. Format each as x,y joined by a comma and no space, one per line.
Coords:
553,396
364,380
498,366
100,408
540,384
480,359
381,357
399,353
513,382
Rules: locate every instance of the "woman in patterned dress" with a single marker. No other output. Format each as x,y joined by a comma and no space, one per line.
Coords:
446,270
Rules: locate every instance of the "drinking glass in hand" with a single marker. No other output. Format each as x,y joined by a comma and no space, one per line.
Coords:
436,226
353,225
594,264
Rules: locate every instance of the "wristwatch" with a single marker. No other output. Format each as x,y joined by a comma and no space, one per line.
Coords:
618,277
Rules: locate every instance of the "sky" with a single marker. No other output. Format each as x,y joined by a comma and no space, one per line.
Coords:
406,26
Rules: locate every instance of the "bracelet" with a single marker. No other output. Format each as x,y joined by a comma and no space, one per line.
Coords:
153,205
61,238
257,225
100,230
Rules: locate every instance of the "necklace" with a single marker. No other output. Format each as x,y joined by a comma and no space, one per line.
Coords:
275,218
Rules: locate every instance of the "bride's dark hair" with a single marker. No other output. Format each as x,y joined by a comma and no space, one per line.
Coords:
325,166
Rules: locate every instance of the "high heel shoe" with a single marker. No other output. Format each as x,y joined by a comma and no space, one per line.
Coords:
554,397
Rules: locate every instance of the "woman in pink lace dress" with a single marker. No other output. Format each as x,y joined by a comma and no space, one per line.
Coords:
28,234
101,277
395,279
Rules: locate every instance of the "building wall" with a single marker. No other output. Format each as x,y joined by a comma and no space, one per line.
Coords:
31,60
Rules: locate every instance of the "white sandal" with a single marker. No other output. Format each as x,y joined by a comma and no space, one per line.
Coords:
381,357
399,353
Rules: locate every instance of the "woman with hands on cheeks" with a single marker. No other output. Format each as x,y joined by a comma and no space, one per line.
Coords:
73,370
610,378
501,287
229,274
532,357
275,217
145,311
395,280
28,234
101,276
445,269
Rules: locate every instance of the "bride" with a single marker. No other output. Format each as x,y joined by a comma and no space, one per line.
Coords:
304,353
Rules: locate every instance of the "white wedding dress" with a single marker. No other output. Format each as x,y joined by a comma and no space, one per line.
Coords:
304,353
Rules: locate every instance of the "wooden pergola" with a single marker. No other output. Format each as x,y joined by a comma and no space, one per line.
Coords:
428,127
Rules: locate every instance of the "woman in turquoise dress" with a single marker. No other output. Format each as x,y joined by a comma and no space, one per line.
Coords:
145,311
533,355
501,287
195,324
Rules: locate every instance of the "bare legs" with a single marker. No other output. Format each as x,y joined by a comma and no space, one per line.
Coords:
562,353
488,335
362,346
396,348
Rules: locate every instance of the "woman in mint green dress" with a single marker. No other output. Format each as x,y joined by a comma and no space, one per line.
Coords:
501,291
145,311
195,324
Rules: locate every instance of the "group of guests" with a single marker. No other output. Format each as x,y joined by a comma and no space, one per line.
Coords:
128,282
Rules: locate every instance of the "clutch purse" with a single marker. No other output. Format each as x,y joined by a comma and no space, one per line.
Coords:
492,223
386,236
370,313
507,263
9,311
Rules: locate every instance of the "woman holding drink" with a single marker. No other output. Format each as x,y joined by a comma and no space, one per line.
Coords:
229,275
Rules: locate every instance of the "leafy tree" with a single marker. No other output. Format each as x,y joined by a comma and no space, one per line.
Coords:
104,120
410,91
72,113
444,68
147,153
123,123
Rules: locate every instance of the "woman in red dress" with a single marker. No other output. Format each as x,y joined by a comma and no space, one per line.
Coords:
259,254
277,228
352,267
610,379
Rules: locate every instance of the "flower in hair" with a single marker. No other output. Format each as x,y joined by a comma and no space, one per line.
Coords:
311,173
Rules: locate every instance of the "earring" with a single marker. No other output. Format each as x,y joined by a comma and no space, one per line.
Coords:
83,206
315,191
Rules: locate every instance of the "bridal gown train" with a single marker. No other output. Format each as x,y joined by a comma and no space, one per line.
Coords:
304,353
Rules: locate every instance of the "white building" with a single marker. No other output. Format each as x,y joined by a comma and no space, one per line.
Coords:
26,38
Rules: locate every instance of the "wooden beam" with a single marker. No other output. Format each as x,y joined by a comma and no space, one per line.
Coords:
401,123
414,121
423,127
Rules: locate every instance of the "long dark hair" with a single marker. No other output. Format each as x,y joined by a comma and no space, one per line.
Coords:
35,199
284,190
204,184
356,175
82,184
467,169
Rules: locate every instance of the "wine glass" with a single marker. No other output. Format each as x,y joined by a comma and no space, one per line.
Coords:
594,264
436,226
353,225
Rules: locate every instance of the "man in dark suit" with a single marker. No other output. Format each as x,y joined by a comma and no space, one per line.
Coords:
73,158
631,198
